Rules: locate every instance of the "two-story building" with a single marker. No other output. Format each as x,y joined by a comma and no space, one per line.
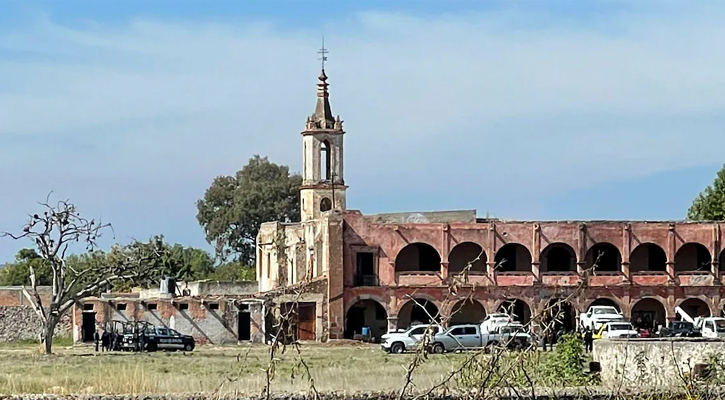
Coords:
389,270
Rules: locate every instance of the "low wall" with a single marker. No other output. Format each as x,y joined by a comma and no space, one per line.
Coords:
22,323
653,362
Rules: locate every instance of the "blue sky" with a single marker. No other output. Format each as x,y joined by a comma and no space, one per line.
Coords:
522,109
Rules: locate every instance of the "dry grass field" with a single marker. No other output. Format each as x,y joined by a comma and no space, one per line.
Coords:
230,370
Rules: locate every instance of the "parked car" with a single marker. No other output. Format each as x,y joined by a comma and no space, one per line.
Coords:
680,329
167,339
597,316
398,342
616,330
467,337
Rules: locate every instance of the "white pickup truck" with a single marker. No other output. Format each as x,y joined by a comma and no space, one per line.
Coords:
598,316
467,337
399,341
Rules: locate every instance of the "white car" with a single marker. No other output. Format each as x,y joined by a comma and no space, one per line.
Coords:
599,315
399,341
617,330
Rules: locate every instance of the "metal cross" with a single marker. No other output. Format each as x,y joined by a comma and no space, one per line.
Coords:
323,53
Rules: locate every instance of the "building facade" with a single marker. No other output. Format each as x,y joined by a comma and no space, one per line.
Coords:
387,271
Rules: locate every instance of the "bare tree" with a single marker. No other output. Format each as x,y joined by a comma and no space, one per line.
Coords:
53,233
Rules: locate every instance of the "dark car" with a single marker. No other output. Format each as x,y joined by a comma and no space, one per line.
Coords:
681,329
167,339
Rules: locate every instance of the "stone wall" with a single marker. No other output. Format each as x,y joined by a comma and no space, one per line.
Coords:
653,362
22,323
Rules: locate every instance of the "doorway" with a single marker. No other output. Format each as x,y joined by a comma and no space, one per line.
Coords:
243,325
88,326
306,321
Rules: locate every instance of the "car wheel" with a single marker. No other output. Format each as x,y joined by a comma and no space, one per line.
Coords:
397,348
189,347
437,348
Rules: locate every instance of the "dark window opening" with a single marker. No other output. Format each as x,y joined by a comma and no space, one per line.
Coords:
605,256
121,307
558,257
365,269
325,160
151,306
213,306
183,306
325,204
242,307
418,257
512,257
244,330
88,307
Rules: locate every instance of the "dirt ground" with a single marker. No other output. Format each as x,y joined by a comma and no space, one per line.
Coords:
209,369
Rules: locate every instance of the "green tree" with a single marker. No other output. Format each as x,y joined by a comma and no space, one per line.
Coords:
164,259
234,207
233,272
710,204
18,273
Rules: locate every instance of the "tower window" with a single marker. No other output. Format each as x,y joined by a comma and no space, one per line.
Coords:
325,160
325,204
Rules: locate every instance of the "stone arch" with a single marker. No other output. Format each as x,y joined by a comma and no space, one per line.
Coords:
647,311
695,307
517,308
558,315
558,257
606,256
366,313
417,310
692,257
418,257
513,257
606,301
648,257
467,311
463,254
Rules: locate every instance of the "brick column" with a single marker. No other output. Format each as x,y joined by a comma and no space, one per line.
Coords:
627,246
580,252
535,261
671,253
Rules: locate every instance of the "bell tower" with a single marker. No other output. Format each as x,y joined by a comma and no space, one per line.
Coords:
323,180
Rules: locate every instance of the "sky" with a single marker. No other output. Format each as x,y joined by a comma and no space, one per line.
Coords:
549,110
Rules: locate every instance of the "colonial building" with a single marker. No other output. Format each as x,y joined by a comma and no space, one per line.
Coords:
369,269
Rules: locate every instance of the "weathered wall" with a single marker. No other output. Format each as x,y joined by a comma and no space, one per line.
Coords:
653,362
213,321
22,323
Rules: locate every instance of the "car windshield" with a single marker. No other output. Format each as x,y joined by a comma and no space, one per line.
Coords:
720,325
620,327
605,310
173,333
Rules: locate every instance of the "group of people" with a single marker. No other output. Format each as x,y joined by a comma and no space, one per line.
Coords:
108,340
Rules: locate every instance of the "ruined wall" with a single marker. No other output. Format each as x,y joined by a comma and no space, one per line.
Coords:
22,323
653,362
212,321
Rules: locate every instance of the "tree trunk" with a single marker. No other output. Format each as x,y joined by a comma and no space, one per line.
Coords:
48,330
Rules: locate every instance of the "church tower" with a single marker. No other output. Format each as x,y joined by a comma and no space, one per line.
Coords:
323,180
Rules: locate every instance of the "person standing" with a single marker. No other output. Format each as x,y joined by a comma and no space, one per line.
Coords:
588,340
105,341
96,338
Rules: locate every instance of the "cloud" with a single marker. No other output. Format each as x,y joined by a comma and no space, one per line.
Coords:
133,121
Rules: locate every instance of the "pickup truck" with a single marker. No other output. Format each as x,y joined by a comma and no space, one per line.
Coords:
616,330
468,337
398,342
597,316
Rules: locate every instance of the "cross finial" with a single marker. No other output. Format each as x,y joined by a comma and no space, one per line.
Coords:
323,53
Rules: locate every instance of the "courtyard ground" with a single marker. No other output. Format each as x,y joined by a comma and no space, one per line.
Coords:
208,369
